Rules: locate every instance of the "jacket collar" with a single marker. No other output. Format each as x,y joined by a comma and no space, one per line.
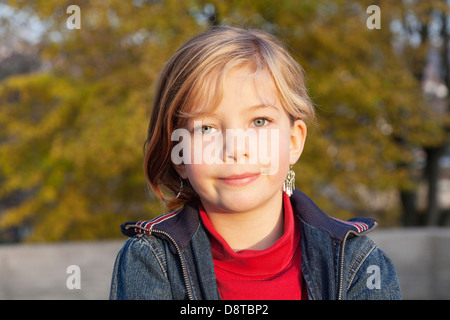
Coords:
180,225
338,229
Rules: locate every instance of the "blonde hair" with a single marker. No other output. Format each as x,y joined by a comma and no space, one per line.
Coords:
190,83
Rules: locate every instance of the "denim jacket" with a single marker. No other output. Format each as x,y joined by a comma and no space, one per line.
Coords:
169,258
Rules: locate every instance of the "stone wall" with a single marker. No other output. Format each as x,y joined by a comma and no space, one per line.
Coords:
422,259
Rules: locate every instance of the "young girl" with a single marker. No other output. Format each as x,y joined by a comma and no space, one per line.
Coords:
238,229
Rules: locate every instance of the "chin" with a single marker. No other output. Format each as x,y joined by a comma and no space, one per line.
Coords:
243,201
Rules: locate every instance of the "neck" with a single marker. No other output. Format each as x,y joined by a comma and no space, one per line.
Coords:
253,230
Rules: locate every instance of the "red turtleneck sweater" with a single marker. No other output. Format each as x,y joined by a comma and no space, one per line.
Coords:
270,274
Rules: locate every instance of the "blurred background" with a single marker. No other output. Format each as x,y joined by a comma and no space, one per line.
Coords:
75,95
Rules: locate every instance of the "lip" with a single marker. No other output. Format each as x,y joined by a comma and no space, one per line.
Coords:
240,179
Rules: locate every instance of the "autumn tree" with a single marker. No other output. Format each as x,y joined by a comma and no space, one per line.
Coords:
375,118
71,135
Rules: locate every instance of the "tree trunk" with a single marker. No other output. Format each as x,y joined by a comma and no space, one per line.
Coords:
431,176
409,214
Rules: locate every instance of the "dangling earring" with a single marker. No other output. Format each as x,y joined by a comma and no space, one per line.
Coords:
181,188
289,183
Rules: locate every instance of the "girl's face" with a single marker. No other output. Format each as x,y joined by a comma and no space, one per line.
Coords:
247,144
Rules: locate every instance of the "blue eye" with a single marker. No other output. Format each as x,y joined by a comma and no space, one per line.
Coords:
260,122
206,129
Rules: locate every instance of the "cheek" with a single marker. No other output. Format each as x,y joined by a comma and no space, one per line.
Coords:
199,176
285,152
274,151
205,150
196,172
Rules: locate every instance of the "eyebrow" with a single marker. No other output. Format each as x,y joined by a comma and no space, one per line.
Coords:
249,109
262,106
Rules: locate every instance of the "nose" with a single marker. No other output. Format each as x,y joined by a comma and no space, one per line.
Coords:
235,146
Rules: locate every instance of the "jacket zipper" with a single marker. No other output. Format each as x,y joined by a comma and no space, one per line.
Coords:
183,264
341,273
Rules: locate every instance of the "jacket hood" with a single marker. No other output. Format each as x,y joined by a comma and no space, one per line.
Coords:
181,224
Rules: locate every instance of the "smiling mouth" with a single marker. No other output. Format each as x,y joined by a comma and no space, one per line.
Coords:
241,179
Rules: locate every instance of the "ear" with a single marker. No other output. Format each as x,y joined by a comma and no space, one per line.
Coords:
297,142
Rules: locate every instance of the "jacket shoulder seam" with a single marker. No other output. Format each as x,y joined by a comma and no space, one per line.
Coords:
157,251
359,260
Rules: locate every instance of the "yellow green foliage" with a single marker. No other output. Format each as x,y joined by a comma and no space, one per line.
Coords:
71,135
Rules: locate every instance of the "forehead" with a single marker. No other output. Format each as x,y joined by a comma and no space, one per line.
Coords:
243,87
237,88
